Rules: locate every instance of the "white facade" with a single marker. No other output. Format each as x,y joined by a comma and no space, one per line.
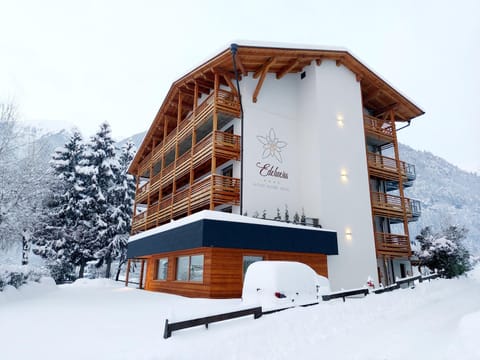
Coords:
297,155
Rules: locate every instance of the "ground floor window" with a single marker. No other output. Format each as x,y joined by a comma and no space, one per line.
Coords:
248,260
190,268
162,269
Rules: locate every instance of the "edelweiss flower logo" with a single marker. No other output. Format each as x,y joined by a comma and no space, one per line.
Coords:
272,146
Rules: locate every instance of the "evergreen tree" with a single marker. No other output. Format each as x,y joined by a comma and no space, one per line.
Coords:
122,201
444,252
50,240
58,234
99,167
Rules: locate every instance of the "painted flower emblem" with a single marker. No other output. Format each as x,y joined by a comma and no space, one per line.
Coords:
272,146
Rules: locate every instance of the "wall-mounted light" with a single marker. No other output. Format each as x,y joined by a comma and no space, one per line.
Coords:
340,120
348,234
344,175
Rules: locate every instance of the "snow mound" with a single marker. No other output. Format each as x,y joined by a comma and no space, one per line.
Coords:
96,283
475,273
27,291
466,337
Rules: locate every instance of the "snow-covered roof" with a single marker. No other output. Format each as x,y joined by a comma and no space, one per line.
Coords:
220,216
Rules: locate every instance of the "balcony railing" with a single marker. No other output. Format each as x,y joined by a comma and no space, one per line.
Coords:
214,189
386,167
225,102
392,244
378,128
391,206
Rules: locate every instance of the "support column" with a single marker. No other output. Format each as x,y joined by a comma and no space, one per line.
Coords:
127,274
400,178
214,129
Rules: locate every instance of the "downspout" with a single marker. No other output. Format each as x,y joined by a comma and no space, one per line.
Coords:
233,49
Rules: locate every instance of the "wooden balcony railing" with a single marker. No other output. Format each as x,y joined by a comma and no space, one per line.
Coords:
226,145
389,205
378,128
386,167
392,244
225,102
213,189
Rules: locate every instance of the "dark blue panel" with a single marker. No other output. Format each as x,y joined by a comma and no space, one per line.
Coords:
184,237
263,237
234,235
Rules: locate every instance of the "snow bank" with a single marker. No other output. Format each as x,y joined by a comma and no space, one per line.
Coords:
27,291
96,283
435,320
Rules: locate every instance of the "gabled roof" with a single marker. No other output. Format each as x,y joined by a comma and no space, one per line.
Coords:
281,59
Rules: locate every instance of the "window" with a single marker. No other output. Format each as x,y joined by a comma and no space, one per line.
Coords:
228,171
162,269
248,260
190,268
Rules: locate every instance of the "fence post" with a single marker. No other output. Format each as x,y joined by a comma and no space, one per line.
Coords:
167,332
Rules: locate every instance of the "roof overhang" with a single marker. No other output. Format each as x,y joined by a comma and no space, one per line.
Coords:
252,58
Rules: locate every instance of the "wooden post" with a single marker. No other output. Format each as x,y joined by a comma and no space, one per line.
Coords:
127,273
142,267
214,130
400,178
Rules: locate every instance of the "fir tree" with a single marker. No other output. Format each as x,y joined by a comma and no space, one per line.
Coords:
57,236
124,196
296,218
99,168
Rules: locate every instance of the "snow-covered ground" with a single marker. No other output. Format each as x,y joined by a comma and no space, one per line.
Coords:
100,319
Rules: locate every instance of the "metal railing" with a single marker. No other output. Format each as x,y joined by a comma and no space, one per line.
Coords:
170,327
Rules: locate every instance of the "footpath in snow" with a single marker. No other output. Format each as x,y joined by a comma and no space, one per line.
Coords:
101,319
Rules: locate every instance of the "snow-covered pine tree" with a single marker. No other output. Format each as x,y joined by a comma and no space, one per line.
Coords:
444,251
99,168
124,196
59,233
50,239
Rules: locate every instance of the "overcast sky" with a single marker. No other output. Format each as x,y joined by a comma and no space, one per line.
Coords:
84,62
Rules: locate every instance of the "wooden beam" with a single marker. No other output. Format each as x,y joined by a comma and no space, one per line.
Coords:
339,62
285,70
264,67
263,73
359,77
230,84
240,65
318,61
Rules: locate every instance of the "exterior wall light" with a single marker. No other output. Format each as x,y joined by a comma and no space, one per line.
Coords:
344,175
340,120
348,234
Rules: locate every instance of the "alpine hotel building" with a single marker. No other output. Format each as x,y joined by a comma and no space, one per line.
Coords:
262,133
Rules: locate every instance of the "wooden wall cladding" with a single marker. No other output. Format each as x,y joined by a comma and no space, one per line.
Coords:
223,271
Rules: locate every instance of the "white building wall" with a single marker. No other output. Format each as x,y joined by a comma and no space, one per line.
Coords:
304,171
336,187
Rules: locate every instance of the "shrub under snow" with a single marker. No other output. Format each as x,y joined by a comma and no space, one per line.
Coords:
18,275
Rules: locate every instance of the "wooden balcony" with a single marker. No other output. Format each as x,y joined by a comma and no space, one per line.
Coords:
225,102
379,130
212,190
392,245
390,206
386,168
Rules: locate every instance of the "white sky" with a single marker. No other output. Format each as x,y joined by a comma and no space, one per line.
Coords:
84,62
